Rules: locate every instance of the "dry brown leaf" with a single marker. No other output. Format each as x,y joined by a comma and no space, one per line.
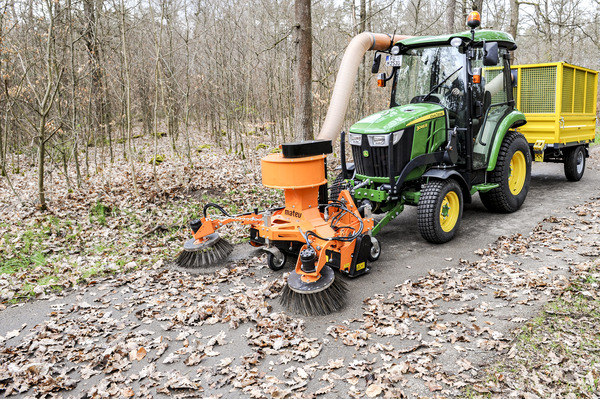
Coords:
374,390
433,386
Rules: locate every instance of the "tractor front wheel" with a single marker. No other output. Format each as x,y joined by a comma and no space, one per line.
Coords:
575,163
512,174
440,210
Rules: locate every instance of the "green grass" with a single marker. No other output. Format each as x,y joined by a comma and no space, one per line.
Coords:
99,212
91,272
47,280
14,265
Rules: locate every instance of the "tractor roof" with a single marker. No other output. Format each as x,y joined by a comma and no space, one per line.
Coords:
504,39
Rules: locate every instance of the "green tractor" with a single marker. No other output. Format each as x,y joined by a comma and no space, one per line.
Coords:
449,133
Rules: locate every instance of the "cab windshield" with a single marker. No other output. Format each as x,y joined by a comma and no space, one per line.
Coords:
432,74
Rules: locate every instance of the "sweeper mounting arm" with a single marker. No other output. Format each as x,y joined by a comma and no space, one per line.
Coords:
206,226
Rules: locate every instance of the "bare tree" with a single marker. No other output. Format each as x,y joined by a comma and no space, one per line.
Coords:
514,18
450,15
127,83
303,84
46,130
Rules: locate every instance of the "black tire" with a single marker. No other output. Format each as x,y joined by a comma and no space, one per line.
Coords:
336,187
437,216
274,264
509,196
375,251
575,163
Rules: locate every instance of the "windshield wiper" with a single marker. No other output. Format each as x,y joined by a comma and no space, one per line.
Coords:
441,83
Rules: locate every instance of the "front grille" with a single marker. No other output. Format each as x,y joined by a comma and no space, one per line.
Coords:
376,163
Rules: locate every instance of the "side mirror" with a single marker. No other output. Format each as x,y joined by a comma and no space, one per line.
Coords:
376,62
490,54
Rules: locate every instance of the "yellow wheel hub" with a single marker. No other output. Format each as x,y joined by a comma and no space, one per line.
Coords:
517,172
449,211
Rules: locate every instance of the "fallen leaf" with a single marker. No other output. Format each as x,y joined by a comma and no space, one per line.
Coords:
373,390
141,353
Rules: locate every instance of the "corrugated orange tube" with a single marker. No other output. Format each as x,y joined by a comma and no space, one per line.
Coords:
344,82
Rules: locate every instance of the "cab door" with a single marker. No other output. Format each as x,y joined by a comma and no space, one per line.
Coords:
493,96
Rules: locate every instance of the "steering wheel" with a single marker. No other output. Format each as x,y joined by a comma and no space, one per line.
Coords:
446,102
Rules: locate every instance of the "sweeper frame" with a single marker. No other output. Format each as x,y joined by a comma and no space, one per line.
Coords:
321,236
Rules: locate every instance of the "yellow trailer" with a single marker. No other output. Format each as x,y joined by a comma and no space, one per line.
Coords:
559,103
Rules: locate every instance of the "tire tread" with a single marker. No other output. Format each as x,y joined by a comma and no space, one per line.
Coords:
428,211
496,199
571,164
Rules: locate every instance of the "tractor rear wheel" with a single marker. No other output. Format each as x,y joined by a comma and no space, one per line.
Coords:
440,210
575,163
512,173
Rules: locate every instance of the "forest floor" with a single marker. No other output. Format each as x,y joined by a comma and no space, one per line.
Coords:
90,304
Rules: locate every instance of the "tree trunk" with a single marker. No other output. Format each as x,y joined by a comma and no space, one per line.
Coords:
41,162
131,155
303,82
514,18
45,106
362,78
451,15
158,50
74,128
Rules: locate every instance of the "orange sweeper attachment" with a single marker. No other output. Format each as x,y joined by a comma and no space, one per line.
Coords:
321,235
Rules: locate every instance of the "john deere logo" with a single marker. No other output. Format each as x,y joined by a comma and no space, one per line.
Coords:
366,154
420,127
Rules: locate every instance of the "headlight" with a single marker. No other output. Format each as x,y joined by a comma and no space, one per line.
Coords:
383,140
398,136
378,140
354,139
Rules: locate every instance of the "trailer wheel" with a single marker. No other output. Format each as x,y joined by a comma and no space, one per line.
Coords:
274,263
440,210
512,173
575,163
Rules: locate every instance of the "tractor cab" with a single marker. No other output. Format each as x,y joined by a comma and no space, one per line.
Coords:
467,75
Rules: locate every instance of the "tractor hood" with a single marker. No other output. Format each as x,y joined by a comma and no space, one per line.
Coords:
393,119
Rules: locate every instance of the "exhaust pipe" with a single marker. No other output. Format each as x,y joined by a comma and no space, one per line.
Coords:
344,82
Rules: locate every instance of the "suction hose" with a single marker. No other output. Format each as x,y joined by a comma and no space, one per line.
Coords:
344,82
